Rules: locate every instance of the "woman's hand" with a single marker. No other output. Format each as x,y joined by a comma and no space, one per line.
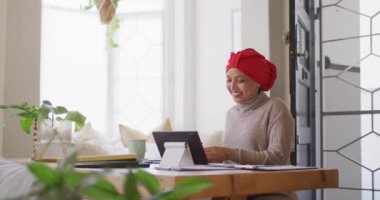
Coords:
217,154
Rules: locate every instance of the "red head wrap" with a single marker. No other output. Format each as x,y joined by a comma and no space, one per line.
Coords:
255,66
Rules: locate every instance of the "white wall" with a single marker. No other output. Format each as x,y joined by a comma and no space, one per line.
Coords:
22,62
214,42
264,31
255,25
180,38
213,46
279,51
3,20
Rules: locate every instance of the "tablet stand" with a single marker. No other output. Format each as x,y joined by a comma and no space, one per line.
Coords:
176,154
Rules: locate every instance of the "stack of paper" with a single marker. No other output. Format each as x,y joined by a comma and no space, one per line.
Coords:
262,167
273,167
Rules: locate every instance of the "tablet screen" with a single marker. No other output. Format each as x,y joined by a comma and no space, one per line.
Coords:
190,137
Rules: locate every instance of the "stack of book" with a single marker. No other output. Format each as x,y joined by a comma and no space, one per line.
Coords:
108,161
105,161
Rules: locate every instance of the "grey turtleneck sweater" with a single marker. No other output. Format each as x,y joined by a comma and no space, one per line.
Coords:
260,131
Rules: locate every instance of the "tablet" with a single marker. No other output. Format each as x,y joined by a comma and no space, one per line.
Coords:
190,137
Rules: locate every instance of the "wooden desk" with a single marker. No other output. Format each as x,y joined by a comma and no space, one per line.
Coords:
239,183
244,182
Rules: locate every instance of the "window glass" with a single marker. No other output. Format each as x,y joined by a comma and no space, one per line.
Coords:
110,86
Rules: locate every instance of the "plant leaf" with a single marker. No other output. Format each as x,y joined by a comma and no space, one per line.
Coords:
46,108
130,187
68,162
185,188
115,2
115,24
92,185
149,181
73,178
45,174
23,106
76,117
26,124
89,5
60,110
26,115
96,186
43,113
46,102
112,27
5,106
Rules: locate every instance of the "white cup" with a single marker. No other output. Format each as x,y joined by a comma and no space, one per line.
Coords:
137,146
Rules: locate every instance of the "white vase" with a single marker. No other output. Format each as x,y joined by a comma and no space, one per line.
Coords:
57,131
54,150
54,139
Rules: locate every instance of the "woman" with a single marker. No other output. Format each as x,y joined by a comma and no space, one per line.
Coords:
259,129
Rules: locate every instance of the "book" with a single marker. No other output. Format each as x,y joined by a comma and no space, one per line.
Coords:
131,156
121,157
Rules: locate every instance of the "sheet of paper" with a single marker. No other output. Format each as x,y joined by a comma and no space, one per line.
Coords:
273,167
192,168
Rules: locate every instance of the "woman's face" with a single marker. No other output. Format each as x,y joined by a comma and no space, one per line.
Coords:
241,87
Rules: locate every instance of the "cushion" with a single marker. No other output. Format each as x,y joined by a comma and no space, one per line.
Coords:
213,139
127,132
208,140
152,153
90,142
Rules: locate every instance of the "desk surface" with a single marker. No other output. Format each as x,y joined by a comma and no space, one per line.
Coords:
240,182
244,182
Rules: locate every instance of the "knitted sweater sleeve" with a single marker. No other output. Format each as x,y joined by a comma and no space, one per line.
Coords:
280,135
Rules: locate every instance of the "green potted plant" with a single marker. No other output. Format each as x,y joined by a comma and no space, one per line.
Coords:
42,121
64,183
30,115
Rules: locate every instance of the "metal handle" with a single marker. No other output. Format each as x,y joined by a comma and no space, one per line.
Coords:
305,54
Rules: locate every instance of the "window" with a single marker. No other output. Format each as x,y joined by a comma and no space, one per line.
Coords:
111,86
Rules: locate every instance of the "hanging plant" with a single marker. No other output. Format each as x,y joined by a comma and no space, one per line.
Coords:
106,8
111,30
107,11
